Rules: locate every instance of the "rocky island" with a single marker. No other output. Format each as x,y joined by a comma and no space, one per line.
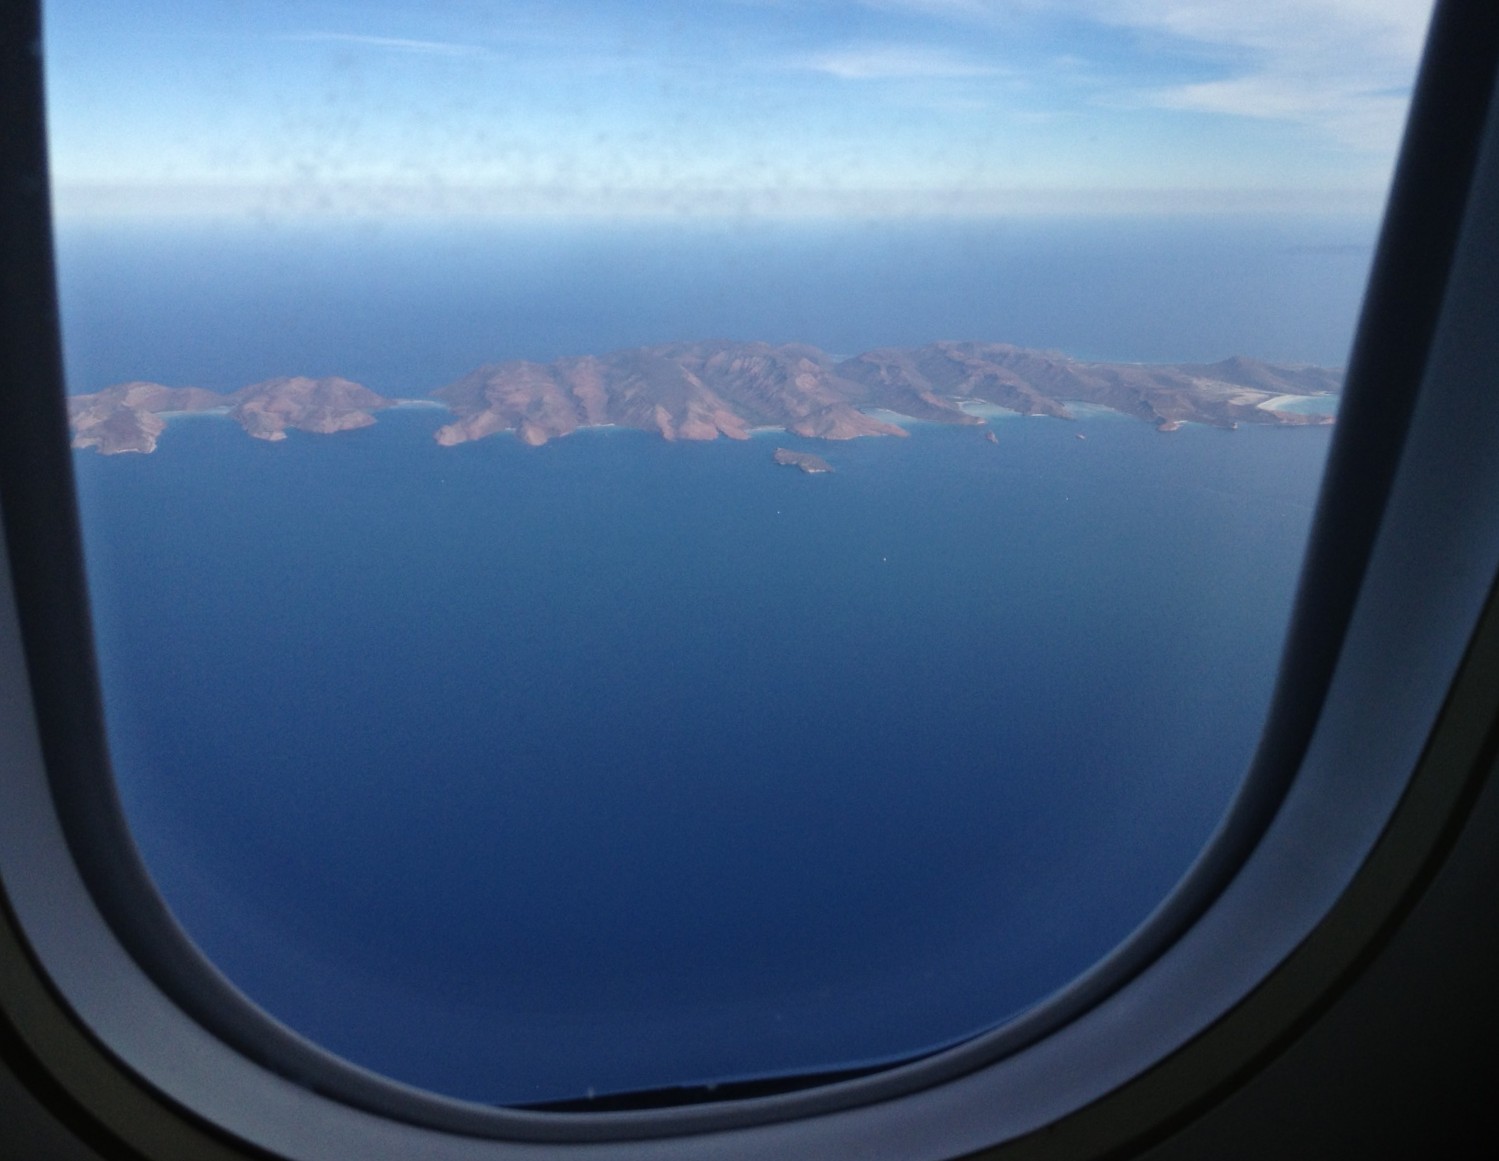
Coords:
810,464
267,409
704,390
128,416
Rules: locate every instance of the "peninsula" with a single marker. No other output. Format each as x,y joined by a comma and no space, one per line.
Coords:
704,390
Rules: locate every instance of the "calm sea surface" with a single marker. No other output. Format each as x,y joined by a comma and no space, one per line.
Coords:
614,764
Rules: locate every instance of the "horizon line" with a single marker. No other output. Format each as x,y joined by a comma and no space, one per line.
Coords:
80,201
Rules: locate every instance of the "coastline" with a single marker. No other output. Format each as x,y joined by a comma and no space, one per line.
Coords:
1308,404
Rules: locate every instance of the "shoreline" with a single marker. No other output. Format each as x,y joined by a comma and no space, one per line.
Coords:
1284,404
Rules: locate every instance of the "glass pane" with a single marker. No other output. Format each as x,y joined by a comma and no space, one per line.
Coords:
604,606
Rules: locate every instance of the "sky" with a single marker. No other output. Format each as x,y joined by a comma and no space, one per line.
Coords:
725,107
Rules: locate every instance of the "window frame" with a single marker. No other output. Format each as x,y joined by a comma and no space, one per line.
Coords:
1332,839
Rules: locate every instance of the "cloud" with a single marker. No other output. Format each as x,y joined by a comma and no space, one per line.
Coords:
389,43
1350,114
1362,33
1339,67
894,62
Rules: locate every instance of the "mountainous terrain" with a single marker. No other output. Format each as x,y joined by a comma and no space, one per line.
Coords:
700,391
127,417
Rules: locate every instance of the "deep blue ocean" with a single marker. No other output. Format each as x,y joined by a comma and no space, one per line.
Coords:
518,773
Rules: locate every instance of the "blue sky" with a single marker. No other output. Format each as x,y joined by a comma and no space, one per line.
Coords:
771,107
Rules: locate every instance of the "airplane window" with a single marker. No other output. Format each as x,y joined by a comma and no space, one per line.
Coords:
646,552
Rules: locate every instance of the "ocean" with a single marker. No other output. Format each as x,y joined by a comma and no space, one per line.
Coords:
518,773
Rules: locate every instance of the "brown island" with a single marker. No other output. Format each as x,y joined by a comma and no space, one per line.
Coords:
700,391
808,463
128,416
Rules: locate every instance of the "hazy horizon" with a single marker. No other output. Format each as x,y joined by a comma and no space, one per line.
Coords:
733,108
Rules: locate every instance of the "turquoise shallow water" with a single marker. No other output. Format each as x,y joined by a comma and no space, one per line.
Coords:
612,764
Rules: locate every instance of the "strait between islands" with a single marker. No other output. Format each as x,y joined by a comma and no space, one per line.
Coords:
700,391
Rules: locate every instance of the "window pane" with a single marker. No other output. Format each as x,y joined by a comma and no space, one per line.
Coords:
660,632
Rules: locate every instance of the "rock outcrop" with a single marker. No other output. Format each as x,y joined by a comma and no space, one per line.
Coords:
812,465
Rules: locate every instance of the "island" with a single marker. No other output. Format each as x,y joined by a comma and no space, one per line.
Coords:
128,416
808,463
704,390
323,406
